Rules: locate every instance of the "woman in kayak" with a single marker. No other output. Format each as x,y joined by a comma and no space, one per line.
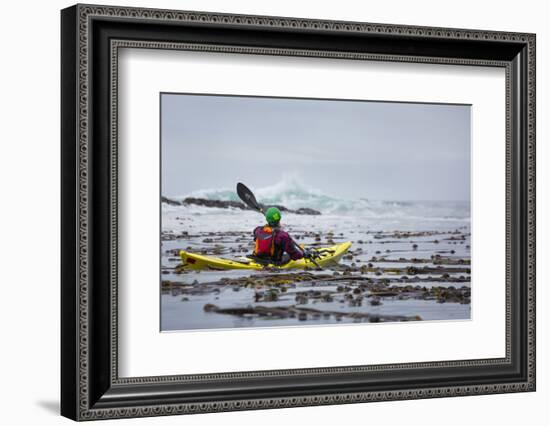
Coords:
273,244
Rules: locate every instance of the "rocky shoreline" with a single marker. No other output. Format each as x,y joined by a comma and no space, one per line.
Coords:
221,204
344,288
414,273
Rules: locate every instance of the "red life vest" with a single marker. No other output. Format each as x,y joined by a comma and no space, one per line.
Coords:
265,242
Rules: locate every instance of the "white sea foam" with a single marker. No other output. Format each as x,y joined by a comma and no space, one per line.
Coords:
292,193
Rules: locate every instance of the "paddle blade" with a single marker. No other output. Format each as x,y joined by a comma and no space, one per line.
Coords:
247,197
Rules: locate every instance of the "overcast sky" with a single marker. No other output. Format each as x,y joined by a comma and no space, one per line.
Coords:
376,150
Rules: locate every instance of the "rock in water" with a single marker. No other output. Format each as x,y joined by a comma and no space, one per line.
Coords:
213,203
306,210
169,201
225,204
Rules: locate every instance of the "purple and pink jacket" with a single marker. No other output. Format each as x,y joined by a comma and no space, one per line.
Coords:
283,244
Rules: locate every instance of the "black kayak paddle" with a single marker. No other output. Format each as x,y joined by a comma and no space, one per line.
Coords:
247,197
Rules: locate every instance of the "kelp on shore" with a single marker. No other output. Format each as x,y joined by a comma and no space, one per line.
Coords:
382,268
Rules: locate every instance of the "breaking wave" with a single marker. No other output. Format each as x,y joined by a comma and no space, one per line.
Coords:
294,194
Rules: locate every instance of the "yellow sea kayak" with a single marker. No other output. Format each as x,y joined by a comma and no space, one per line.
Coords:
327,256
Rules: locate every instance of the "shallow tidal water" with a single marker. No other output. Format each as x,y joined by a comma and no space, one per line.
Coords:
398,269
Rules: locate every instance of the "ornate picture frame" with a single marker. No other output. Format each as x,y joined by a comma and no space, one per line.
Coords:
91,38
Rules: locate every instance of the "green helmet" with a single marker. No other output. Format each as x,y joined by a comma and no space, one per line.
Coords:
273,215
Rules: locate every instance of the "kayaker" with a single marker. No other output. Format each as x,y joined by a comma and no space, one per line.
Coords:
272,243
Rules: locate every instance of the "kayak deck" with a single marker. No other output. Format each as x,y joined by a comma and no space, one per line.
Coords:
327,256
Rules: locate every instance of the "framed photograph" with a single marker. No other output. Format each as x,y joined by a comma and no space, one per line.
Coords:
263,212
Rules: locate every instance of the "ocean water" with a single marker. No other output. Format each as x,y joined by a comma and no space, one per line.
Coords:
368,224
335,212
